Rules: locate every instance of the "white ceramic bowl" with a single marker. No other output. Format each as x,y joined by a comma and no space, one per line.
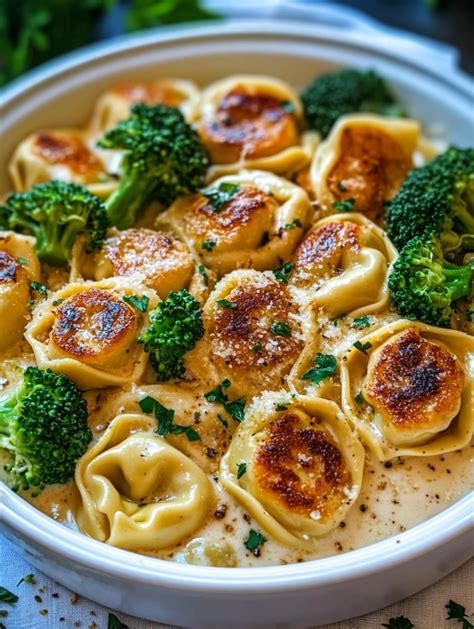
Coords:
316,592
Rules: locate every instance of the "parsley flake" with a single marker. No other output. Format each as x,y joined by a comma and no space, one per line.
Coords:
7,597
223,421
139,303
281,407
57,302
114,623
359,398
28,579
288,107
235,408
336,320
361,322
209,245
283,273
40,288
341,187
362,347
346,205
225,303
164,417
400,622
202,271
325,367
218,197
294,224
254,541
470,316
458,612
22,260
280,328
241,469
217,394
256,348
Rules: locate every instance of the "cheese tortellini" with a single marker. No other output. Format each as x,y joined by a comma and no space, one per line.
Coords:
253,333
253,122
89,332
408,389
342,266
63,154
250,220
19,265
363,162
114,105
138,492
303,467
156,258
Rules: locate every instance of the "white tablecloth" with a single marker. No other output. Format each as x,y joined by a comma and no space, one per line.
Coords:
426,609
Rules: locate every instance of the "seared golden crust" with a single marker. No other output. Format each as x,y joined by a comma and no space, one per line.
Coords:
69,150
322,249
150,93
415,382
247,206
302,467
91,323
243,335
9,268
370,169
248,125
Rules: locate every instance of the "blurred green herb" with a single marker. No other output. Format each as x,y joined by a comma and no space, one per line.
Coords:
147,13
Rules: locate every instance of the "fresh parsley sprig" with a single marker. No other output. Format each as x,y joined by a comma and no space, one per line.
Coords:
234,408
164,417
326,365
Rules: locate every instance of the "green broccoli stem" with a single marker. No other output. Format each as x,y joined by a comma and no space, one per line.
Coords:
465,217
459,281
125,204
7,408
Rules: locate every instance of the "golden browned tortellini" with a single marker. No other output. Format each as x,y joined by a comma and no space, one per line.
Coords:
89,331
363,162
114,105
63,154
156,258
19,265
303,467
253,334
250,220
408,389
253,122
342,266
138,492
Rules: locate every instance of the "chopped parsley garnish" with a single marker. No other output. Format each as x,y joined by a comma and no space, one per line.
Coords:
362,347
281,407
341,187
114,623
28,579
470,315
22,260
209,245
347,205
325,367
139,303
6,596
254,541
235,408
164,417
359,398
294,224
225,303
458,612
256,348
241,469
283,273
218,197
361,322
400,622
280,328
57,302
336,320
40,288
202,271
288,107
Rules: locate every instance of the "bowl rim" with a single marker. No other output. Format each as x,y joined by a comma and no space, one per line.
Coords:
23,518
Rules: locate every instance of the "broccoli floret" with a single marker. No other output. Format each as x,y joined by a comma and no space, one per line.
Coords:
43,425
331,96
423,285
175,327
436,198
163,159
55,213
